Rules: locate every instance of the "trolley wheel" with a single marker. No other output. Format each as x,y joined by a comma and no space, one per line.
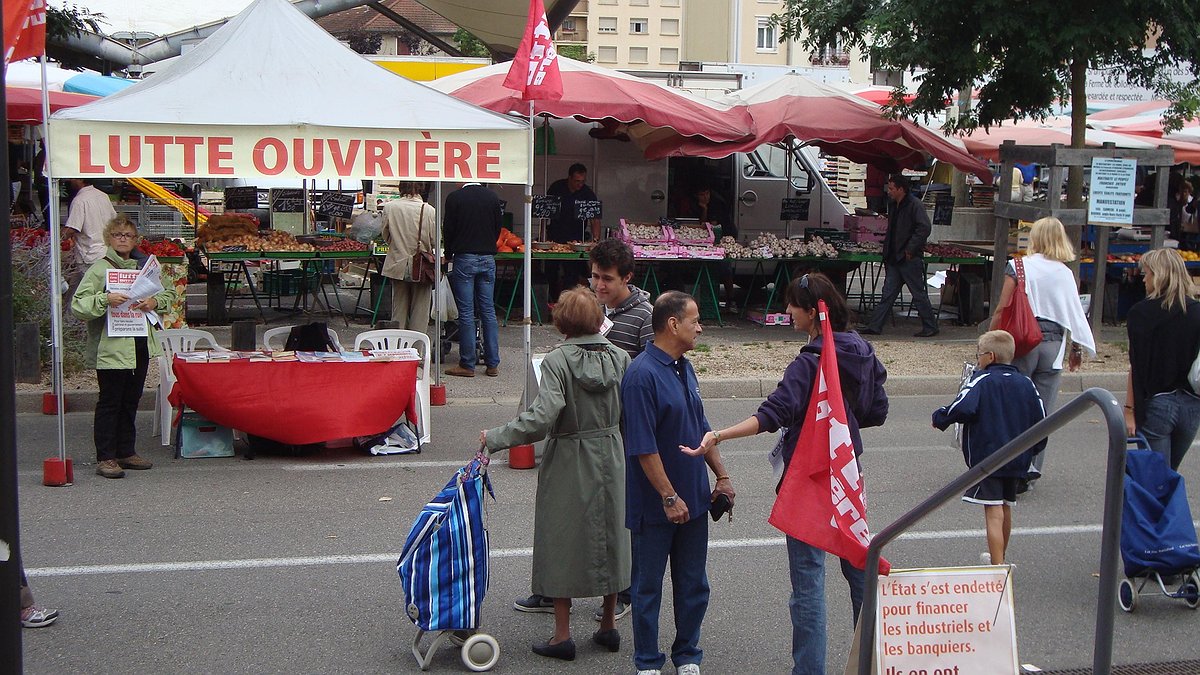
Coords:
1127,595
480,652
1190,590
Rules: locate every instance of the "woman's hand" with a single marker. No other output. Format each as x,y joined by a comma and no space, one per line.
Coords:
117,299
707,443
147,305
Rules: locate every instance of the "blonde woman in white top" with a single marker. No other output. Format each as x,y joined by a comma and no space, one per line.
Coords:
1054,299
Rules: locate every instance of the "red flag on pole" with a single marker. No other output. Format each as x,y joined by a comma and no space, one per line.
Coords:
534,70
24,29
820,500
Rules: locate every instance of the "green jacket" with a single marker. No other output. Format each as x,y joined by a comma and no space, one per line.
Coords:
90,303
580,545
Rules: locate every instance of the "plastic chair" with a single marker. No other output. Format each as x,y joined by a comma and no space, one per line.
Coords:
274,339
171,341
395,338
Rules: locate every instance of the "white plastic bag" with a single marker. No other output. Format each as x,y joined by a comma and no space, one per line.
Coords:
443,302
365,226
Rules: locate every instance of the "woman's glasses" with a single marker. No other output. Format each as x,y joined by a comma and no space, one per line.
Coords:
124,235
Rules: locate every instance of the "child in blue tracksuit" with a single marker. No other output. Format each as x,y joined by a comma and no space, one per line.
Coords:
996,405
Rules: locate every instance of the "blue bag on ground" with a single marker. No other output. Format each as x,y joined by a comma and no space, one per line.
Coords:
444,564
1156,524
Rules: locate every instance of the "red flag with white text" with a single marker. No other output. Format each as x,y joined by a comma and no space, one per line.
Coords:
24,29
534,71
820,500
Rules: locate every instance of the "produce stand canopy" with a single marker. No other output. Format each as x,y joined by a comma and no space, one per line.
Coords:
272,95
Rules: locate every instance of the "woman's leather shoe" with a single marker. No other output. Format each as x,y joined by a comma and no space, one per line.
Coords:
564,650
608,638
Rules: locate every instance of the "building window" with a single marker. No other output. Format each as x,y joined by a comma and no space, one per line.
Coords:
607,24
606,54
639,55
639,3
639,26
608,2
766,35
670,3
568,26
669,27
668,55
831,54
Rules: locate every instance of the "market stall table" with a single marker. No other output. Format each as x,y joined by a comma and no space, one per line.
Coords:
295,402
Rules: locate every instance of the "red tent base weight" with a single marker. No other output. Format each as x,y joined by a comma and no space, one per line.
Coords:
50,404
437,394
57,472
521,457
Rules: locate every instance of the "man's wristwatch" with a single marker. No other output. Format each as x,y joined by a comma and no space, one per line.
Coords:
670,501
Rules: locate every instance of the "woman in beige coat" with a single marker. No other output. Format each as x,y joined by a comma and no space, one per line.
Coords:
580,544
403,220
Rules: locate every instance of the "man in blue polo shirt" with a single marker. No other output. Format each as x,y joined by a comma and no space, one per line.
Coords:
667,492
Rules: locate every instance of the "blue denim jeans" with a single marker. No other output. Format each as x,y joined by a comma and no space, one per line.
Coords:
473,279
807,604
1171,424
687,548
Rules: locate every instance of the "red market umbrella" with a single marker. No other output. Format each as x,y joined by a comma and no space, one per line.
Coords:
838,122
986,143
644,109
25,103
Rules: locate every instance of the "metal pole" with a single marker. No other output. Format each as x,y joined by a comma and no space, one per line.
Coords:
527,268
10,540
56,280
437,284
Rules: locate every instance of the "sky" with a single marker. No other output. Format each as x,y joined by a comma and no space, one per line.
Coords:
159,16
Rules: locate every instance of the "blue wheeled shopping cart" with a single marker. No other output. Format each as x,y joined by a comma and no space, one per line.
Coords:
1158,540
444,569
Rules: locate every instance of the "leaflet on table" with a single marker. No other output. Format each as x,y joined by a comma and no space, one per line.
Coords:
405,354
138,285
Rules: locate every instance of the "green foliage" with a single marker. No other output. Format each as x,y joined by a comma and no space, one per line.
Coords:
31,304
1018,56
70,21
703,348
469,45
363,42
576,52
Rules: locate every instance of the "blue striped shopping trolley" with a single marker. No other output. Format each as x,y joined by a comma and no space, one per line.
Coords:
444,569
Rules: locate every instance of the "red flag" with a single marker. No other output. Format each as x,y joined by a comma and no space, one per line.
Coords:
820,501
534,70
24,29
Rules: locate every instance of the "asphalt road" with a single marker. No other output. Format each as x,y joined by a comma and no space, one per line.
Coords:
288,564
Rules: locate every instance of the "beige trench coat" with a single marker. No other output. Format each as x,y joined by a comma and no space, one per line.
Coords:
401,218
580,544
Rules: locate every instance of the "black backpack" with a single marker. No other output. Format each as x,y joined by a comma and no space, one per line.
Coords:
310,337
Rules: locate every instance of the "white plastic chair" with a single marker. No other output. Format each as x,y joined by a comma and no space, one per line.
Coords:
395,338
274,339
171,341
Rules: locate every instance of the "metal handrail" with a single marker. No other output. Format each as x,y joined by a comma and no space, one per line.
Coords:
1110,535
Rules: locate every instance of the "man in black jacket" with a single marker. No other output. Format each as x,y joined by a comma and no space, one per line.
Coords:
903,250
470,226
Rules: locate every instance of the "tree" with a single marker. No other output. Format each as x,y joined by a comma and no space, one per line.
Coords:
363,42
576,52
64,22
469,45
1021,57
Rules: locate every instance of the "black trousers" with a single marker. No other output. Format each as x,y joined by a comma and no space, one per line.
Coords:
114,428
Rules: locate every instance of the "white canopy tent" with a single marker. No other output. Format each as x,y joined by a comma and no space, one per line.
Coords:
272,95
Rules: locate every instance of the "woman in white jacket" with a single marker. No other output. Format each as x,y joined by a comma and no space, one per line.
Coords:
1054,299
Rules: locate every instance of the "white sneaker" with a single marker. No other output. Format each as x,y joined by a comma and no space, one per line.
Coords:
985,558
649,672
688,669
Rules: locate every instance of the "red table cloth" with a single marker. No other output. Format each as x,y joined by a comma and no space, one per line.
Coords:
295,402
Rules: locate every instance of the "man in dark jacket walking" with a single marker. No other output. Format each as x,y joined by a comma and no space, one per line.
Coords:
903,250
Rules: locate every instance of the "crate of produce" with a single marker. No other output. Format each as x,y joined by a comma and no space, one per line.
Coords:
702,252
861,235
877,224
644,233
287,282
655,251
698,234
199,437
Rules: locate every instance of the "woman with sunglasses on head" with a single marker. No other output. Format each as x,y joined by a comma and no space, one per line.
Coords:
862,377
120,362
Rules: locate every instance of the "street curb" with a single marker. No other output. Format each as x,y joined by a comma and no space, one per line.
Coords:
84,400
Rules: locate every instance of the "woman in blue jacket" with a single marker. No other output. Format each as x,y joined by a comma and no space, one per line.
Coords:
862,377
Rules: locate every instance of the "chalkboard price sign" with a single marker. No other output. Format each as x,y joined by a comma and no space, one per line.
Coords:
241,197
586,209
943,209
287,200
336,204
794,208
546,206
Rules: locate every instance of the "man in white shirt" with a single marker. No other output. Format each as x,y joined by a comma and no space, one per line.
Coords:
90,211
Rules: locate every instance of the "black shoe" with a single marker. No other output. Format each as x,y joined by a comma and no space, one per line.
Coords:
534,603
1025,485
608,638
927,332
619,612
867,330
564,650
